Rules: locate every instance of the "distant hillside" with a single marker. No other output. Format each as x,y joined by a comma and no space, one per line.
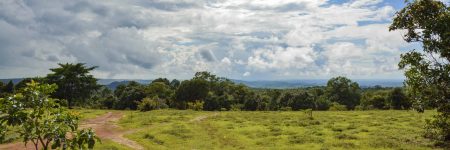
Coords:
113,83
15,80
318,82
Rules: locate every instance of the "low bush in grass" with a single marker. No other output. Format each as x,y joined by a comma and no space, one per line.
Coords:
154,103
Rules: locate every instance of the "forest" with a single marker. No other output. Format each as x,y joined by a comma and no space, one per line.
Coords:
208,92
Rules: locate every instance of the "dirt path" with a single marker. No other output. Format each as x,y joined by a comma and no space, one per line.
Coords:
203,117
104,126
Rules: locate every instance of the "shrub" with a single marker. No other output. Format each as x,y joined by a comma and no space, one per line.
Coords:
322,103
197,105
337,107
236,107
148,104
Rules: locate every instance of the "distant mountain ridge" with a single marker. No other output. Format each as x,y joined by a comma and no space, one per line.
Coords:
281,84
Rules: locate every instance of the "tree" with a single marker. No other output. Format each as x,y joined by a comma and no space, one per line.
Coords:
162,80
159,89
103,98
302,101
428,71
174,84
398,99
129,95
343,91
189,91
42,121
378,102
75,83
2,87
9,88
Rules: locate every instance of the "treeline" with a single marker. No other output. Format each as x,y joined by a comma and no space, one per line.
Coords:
205,91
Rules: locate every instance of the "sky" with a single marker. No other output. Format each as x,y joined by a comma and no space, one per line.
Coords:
238,39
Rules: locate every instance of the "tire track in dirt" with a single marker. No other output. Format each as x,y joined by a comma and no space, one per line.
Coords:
106,127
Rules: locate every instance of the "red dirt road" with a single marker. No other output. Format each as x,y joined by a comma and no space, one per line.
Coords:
104,126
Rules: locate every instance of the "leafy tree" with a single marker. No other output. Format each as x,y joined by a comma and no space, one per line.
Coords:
274,99
159,89
2,87
302,101
103,98
191,90
174,84
75,83
128,95
322,103
286,99
343,91
9,88
162,80
42,121
378,102
398,99
428,72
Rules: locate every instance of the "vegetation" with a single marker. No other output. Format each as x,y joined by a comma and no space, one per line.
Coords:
75,83
42,120
177,129
427,72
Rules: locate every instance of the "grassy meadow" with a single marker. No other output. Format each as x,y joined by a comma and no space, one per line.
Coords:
176,129
186,129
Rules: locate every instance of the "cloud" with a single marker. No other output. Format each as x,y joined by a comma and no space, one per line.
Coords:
262,39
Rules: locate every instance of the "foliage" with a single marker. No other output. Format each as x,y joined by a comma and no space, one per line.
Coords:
189,91
154,103
128,95
159,89
302,101
102,98
196,105
162,80
75,83
428,72
337,107
43,121
398,99
322,103
9,87
343,91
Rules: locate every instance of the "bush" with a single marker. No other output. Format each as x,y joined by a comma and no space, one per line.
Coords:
197,105
236,107
322,103
148,104
337,107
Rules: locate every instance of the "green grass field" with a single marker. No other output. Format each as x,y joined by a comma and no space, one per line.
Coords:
178,129
175,129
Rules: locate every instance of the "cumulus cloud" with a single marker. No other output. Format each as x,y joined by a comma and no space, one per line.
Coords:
263,39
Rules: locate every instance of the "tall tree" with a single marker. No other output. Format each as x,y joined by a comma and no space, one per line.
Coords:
9,88
190,91
2,86
398,99
75,84
428,71
343,91
129,95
